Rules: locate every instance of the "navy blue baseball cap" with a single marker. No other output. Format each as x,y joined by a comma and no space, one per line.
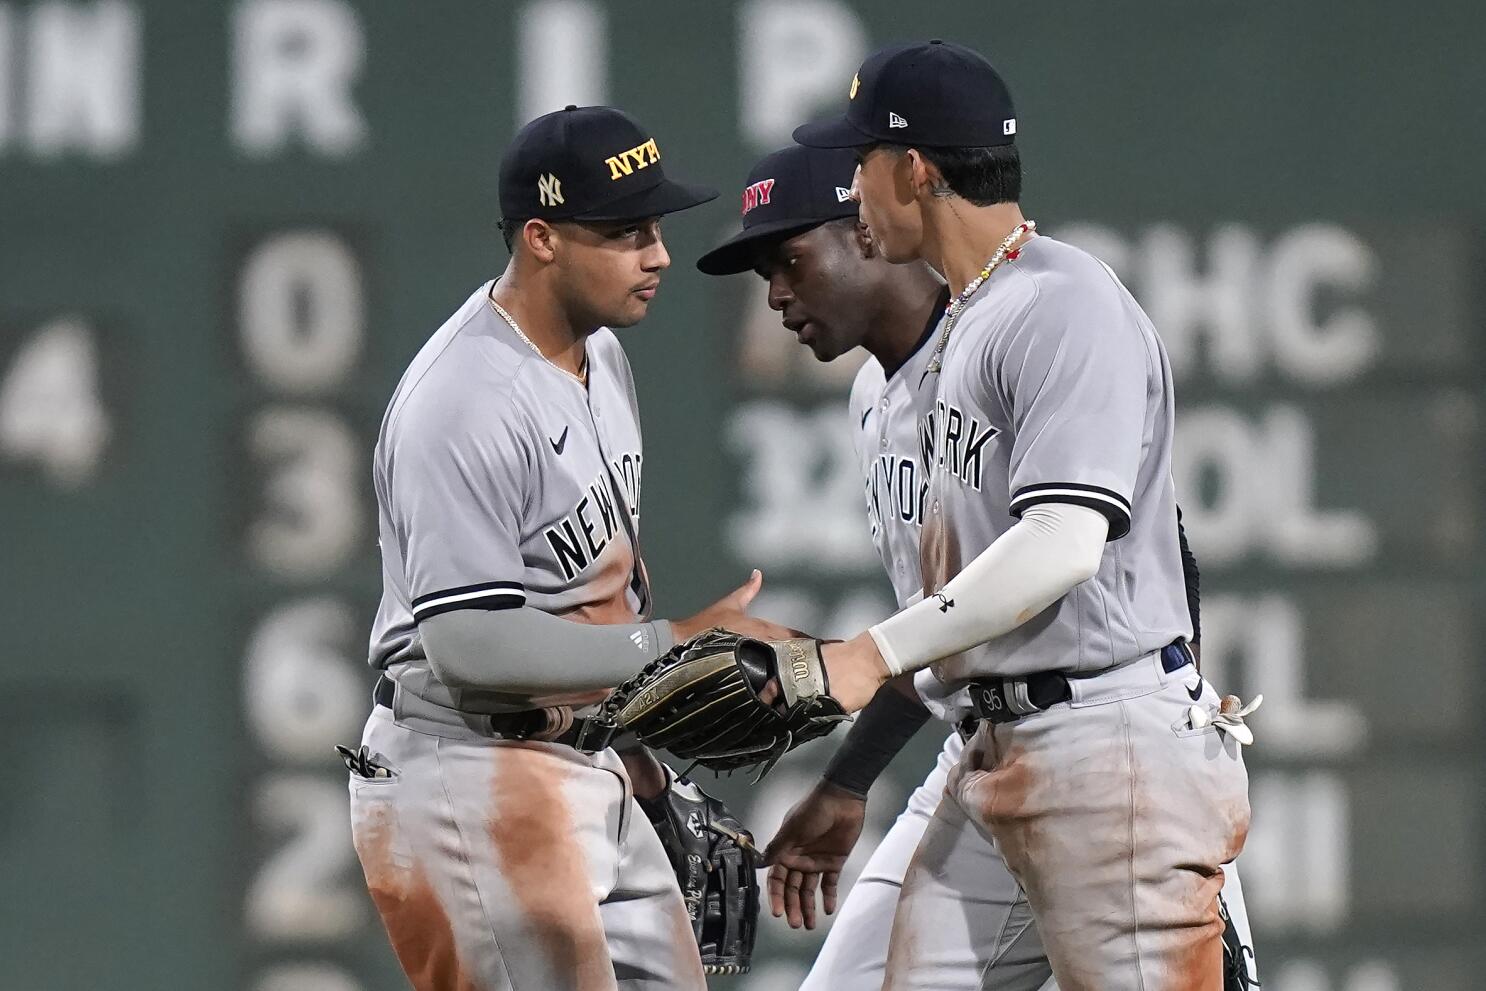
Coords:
935,95
787,193
589,163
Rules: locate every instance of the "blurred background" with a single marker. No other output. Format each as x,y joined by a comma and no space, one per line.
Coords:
225,227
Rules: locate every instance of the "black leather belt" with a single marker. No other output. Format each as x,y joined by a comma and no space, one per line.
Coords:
1005,700
587,735
385,692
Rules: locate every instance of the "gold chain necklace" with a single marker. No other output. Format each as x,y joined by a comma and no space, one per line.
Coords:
581,377
952,311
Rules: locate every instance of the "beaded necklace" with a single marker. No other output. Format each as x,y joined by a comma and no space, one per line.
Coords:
952,311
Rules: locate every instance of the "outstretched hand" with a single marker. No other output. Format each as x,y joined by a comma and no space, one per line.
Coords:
809,851
731,613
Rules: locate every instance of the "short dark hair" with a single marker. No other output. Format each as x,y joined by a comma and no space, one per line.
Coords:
508,228
984,176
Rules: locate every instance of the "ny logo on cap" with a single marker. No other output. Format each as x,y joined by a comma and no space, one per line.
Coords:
893,120
639,157
757,195
549,190
842,194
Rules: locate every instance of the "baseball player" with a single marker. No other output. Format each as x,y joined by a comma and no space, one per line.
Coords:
1107,771
833,288
494,825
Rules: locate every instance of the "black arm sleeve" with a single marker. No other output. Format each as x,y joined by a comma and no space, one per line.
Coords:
880,730
1192,578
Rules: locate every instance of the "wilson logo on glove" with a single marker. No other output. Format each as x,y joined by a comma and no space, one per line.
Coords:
704,701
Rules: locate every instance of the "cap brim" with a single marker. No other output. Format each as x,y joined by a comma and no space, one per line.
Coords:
740,253
668,196
837,132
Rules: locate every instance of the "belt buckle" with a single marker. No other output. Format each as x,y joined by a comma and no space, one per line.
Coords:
1002,700
989,699
602,733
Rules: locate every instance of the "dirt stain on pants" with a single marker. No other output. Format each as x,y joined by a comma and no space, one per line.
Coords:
417,924
534,836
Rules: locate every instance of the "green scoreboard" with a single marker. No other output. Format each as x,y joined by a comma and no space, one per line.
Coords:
226,227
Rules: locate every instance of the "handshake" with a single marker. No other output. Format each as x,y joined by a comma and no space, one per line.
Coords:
737,691
726,699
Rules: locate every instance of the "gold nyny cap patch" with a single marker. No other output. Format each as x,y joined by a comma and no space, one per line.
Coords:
638,157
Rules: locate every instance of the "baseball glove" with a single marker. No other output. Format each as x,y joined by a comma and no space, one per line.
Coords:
701,701
716,865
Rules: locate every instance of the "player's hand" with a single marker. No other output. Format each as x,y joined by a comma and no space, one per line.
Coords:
855,669
810,849
731,613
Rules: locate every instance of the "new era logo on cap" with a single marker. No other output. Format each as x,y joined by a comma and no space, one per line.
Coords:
785,194
936,94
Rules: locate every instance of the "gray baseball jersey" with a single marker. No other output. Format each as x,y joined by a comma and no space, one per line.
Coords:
501,481
1055,388
885,416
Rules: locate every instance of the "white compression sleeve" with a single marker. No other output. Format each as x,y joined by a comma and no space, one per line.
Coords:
1054,547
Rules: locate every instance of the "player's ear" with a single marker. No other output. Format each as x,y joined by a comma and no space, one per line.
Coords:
865,244
922,175
540,239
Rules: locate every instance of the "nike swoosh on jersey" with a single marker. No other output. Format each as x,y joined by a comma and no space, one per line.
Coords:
1195,694
561,442
865,415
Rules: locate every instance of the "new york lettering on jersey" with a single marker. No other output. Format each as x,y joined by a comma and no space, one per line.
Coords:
581,537
1055,388
885,415
502,482
964,441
